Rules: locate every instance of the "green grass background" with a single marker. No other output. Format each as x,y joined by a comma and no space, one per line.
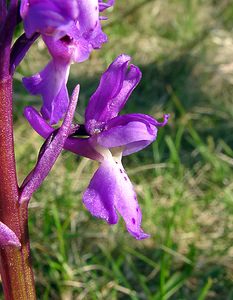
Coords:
184,181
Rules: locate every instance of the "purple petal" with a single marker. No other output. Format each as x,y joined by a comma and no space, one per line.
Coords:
105,5
110,190
19,50
80,146
88,15
99,196
50,152
89,23
37,122
49,17
8,237
147,119
115,87
51,84
132,132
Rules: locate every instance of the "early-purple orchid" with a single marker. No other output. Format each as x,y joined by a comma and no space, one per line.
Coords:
108,138
71,30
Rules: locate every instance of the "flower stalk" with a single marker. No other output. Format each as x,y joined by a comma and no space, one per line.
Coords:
15,267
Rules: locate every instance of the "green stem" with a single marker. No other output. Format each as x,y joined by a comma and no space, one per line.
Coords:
15,267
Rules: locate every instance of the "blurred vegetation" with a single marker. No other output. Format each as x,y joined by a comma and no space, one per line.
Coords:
184,181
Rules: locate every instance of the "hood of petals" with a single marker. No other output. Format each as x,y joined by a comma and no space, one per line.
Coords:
47,16
115,87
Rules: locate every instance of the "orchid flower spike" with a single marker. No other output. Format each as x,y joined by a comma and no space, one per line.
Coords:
108,138
71,30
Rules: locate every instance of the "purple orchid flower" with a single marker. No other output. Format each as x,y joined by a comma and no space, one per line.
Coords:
71,30
8,237
109,138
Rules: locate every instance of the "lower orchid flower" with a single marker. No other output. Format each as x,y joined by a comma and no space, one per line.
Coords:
108,138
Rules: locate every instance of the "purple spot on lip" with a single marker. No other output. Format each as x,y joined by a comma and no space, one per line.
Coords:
121,171
125,178
133,220
137,209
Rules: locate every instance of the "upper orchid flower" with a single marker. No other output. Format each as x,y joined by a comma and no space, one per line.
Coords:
71,30
109,138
